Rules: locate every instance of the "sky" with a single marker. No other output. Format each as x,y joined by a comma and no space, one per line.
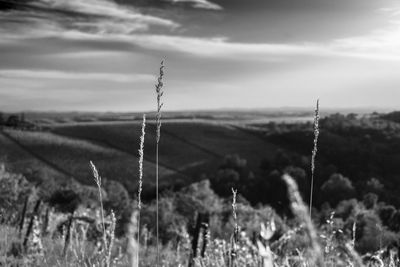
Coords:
104,55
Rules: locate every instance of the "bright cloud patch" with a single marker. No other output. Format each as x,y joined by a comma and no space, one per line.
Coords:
199,4
91,16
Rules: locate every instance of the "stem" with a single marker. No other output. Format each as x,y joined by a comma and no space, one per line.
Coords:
314,152
311,194
102,218
157,233
138,239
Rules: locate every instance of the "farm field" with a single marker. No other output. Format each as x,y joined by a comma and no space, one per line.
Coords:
19,160
71,157
190,148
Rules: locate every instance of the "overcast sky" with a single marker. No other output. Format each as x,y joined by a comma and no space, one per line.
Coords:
104,55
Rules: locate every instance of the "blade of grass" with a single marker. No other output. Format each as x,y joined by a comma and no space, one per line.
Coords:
314,152
160,93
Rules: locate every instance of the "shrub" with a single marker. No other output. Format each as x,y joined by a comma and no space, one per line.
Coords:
337,188
14,188
370,200
65,200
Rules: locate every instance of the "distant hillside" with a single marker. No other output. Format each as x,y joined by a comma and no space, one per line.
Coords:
188,150
392,116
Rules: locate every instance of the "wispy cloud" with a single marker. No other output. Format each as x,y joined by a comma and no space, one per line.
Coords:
383,44
93,16
379,45
48,74
111,26
204,4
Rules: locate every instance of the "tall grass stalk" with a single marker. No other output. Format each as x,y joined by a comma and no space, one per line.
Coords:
159,91
353,234
68,235
234,213
133,244
112,236
22,220
314,152
357,261
300,211
31,222
140,188
236,228
97,179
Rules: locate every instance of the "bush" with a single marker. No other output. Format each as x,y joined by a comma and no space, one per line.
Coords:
14,189
370,200
337,188
65,200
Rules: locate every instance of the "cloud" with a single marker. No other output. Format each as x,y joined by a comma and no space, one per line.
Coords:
380,44
203,4
48,74
105,25
92,16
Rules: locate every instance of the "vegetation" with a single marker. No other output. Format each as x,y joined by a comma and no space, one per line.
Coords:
223,209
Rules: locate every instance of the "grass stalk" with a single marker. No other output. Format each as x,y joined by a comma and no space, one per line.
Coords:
140,187
236,227
97,179
68,235
314,152
31,222
300,211
133,243
159,91
112,237
22,221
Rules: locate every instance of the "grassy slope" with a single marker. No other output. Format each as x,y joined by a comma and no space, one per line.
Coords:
187,150
191,148
73,156
223,140
19,160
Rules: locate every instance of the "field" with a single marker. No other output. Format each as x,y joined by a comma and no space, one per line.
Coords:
71,157
189,149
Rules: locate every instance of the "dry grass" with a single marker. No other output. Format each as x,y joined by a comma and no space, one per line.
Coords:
159,92
141,154
314,152
97,179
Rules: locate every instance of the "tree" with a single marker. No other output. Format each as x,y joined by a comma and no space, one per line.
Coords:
12,121
233,173
370,235
65,200
117,196
370,201
347,209
225,180
1,119
119,201
374,186
282,159
386,213
394,222
337,188
234,162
